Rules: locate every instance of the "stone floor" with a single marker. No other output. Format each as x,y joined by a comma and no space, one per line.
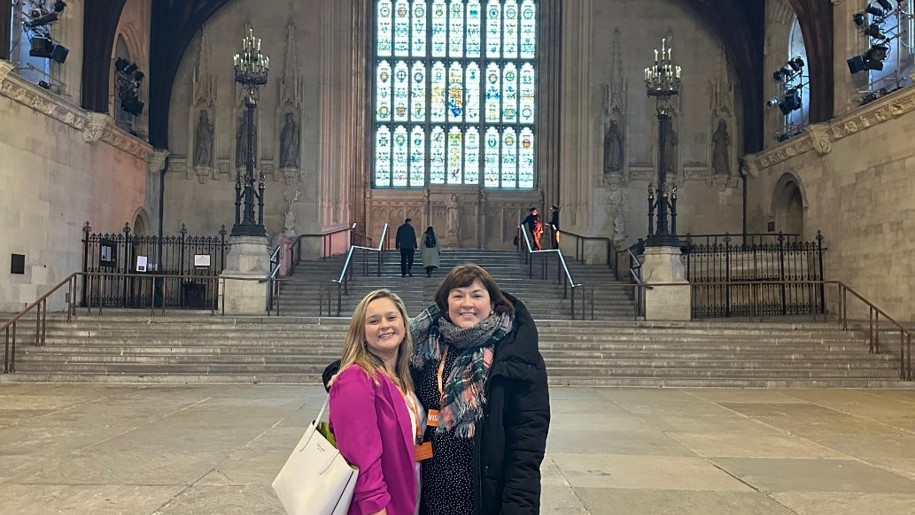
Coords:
215,449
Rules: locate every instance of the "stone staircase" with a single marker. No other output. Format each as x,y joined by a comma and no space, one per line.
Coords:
299,293
196,348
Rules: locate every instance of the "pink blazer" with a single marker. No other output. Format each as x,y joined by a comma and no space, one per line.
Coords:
372,426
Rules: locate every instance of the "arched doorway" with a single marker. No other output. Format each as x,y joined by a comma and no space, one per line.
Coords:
788,206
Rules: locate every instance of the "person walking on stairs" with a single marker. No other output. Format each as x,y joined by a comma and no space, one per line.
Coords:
431,252
406,242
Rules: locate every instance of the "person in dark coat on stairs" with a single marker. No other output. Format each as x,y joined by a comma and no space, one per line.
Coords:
406,242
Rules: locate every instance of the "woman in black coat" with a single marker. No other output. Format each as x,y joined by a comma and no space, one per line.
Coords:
478,369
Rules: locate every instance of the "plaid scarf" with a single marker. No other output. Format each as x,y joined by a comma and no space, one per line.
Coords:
462,397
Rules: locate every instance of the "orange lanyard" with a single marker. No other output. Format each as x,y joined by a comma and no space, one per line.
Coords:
441,372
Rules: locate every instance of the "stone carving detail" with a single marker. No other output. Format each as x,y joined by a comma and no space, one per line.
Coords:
202,112
617,199
289,143
287,114
203,141
721,161
614,114
289,221
874,113
95,127
5,68
820,138
453,218
157,160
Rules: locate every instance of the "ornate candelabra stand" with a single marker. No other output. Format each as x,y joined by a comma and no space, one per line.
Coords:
662,80
251,67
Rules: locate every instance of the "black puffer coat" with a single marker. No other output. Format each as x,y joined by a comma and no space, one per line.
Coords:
510,441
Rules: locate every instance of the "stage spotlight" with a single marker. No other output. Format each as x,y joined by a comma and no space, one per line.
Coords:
44,47
856,64
791,102
874,11
860,19
796,64
132,105
44,84
772,102
120,64
878,53
873,30
138,75
130,68
41,19
887,6
60,5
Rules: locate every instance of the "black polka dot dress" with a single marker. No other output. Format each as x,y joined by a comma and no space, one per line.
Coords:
447,478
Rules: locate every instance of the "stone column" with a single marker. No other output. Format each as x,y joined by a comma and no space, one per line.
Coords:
244,291
663,265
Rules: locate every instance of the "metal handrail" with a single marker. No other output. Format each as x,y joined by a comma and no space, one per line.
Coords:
874,312
568,283
580,246
342,281
325,247
41,321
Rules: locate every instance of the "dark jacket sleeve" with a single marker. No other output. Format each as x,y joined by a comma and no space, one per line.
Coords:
329,372
527,422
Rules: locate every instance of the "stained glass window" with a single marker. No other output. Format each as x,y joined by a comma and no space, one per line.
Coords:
455,93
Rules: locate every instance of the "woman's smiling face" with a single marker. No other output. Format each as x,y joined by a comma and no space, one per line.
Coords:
384,328
470,305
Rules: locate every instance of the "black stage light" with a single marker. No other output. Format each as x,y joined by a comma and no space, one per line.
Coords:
874,10
873,30
120,64
856,64
130,68
791,102
44,84
772,102
777,75
887,6
877,52
44,47
138,75
131,104
41,19
860,19
796,64
60,5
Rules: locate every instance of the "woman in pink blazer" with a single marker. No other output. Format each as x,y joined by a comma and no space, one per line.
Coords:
374,413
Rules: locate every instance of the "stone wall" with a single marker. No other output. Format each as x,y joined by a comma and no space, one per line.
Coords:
856,175
60,167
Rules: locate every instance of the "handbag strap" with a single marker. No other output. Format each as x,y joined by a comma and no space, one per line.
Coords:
323,410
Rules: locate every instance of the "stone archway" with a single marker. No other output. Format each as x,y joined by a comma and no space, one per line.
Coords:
788,205
140,223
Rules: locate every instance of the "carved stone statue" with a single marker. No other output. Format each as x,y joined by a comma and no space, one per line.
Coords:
616,203
289,222
241,142
721,162
613,149
453,223
203,140
289,143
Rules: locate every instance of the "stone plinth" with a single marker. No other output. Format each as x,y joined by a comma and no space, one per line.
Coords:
244,291
663,265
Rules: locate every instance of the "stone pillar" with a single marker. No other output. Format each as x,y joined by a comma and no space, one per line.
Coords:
247,261
663,265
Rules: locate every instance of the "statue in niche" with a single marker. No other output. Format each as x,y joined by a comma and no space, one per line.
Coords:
670,149
613,149
453,220
289,143
241,142
721,163
203,140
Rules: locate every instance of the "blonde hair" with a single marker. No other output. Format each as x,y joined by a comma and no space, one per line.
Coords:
355,348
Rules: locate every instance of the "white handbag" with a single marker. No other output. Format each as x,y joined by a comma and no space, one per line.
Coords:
316,479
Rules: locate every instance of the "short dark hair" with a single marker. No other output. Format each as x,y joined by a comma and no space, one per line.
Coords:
463,276
532,209
408,220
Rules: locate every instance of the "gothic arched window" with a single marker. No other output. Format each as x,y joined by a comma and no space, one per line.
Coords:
454,93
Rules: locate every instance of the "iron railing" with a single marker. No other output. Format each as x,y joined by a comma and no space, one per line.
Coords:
563,274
